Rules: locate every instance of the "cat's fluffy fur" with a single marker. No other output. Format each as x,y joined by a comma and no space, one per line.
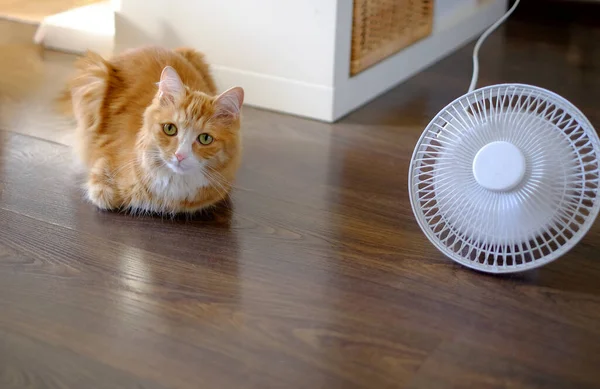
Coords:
121,106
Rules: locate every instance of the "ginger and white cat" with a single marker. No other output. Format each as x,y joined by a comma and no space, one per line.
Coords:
151,132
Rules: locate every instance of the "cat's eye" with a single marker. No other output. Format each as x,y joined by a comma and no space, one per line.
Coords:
170,129
205,139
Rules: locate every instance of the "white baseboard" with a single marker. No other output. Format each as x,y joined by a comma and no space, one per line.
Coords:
90,27
278,94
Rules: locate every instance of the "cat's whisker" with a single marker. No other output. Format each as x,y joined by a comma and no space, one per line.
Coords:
219,176
223,193
229,183
221,181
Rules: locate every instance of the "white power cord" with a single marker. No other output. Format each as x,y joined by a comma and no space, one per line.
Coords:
480,41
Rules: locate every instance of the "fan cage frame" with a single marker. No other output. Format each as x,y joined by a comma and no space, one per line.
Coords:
549,97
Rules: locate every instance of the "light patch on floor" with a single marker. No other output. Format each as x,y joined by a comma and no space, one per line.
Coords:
24,83
35,11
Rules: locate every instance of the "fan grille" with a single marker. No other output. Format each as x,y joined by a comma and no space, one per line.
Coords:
533,224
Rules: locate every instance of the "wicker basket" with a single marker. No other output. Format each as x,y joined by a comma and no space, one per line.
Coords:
381,28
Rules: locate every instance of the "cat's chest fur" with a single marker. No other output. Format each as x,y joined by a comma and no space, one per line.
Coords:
171,186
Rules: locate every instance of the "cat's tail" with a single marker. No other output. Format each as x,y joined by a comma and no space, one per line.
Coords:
83,99
85,91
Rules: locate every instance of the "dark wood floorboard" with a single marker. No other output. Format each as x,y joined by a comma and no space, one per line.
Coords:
314,276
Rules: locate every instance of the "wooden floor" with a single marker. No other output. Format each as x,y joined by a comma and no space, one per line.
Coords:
318,276
34,11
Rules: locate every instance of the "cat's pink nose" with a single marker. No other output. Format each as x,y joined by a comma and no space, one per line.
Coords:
180,156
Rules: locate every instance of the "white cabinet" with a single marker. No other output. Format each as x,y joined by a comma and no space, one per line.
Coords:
291,56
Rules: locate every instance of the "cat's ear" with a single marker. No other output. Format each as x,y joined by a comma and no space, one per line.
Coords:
170,87
229,104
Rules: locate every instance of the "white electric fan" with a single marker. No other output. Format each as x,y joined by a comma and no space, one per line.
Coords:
505,178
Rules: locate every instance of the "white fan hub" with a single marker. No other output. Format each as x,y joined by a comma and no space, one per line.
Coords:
499,166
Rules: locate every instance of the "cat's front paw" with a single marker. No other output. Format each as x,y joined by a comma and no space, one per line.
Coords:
102,196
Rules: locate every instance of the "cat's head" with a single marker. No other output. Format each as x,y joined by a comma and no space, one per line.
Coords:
187,130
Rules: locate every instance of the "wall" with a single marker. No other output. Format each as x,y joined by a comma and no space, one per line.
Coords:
445,9
281,38
284,52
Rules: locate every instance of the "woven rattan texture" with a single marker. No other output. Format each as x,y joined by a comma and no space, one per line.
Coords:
381,28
